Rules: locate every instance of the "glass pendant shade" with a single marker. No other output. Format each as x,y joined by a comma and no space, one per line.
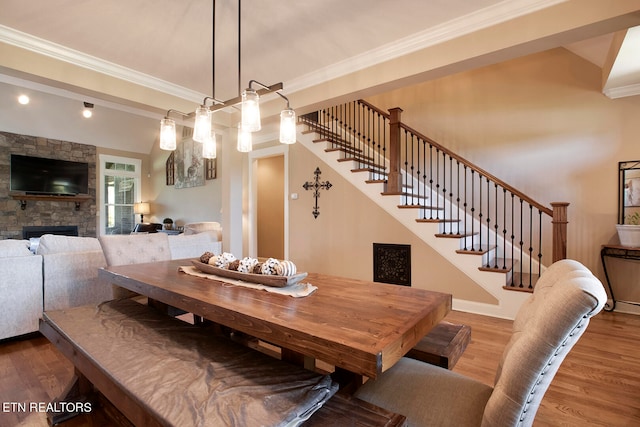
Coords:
250,110
209,146
245,141
168,134
202,127
288,126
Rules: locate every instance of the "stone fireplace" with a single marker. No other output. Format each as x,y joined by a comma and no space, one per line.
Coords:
45,213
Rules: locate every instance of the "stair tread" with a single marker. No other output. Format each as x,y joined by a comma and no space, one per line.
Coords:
439,220
498,265
349,150
360,160
455,235
370,170
420,207
476,250
526,279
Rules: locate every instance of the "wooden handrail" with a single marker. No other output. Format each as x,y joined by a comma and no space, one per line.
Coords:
374,108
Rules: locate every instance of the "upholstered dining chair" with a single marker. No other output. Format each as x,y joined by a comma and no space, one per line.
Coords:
545,329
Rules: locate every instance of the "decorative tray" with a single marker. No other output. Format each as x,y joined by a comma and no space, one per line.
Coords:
263,279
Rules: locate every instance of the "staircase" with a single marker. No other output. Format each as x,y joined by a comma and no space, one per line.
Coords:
489,230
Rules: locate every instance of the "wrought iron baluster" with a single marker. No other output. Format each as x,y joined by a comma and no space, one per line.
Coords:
495,224
465,204
539,243
521,242
451,206
480,214
530,245
504,229
437,192
425,187
473,210
422,198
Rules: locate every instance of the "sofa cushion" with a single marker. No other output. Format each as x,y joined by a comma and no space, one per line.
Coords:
194,245
21,291
135,248
11,247
52,244
199,227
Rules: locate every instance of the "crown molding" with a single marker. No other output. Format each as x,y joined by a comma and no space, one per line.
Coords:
61,53
622,91
446,31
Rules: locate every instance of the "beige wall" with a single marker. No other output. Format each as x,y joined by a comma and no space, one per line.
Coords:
541,124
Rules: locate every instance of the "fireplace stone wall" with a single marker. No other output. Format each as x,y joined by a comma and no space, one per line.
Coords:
45,212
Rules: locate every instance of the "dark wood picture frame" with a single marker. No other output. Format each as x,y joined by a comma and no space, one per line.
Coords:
210,169
170,172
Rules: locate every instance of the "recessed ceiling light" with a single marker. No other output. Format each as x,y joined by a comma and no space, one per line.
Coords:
88,110
23,99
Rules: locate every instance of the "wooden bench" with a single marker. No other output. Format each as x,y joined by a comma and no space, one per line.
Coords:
161,371
443,345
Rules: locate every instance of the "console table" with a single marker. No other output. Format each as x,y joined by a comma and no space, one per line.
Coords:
622,252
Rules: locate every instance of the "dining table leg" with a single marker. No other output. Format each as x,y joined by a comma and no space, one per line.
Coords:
298,358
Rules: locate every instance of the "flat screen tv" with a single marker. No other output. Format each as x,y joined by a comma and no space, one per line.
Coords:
38,175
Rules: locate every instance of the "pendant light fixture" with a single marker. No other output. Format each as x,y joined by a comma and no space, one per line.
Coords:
168,134
168,131
245,139
250,111
202,127
209,146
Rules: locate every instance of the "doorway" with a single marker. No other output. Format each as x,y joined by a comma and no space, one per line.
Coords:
268,203
270,207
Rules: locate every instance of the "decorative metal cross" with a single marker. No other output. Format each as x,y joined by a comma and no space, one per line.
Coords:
316,186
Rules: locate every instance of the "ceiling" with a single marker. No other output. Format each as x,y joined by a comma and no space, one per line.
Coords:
147,56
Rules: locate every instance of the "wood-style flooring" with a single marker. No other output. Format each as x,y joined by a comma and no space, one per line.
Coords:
597,385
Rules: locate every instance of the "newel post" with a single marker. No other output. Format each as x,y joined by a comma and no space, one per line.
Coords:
394,178
559,222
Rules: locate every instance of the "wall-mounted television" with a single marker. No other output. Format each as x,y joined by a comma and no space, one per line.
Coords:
38,175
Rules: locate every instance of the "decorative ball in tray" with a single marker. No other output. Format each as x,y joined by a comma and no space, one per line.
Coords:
271,272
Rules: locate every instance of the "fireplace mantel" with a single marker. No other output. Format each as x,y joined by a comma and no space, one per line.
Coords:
77,199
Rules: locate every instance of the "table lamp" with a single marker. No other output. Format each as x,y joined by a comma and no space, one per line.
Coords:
142,209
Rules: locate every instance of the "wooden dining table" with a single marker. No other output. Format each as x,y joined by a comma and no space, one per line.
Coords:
359,327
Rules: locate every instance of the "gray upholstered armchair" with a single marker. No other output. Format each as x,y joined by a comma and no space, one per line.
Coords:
545,329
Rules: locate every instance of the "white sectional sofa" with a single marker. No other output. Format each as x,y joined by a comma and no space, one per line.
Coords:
64,271
20,288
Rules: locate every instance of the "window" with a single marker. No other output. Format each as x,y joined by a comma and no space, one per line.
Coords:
120,184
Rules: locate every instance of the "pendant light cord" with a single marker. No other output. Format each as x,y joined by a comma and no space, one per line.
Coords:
239,47
213,51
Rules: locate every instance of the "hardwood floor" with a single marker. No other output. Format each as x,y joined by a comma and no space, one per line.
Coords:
598,384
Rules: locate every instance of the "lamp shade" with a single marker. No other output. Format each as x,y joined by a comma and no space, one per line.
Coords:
202,126
209,147
245,141
288,126
168,134
250,110
141,208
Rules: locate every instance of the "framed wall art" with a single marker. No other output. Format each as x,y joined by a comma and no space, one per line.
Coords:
189,164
